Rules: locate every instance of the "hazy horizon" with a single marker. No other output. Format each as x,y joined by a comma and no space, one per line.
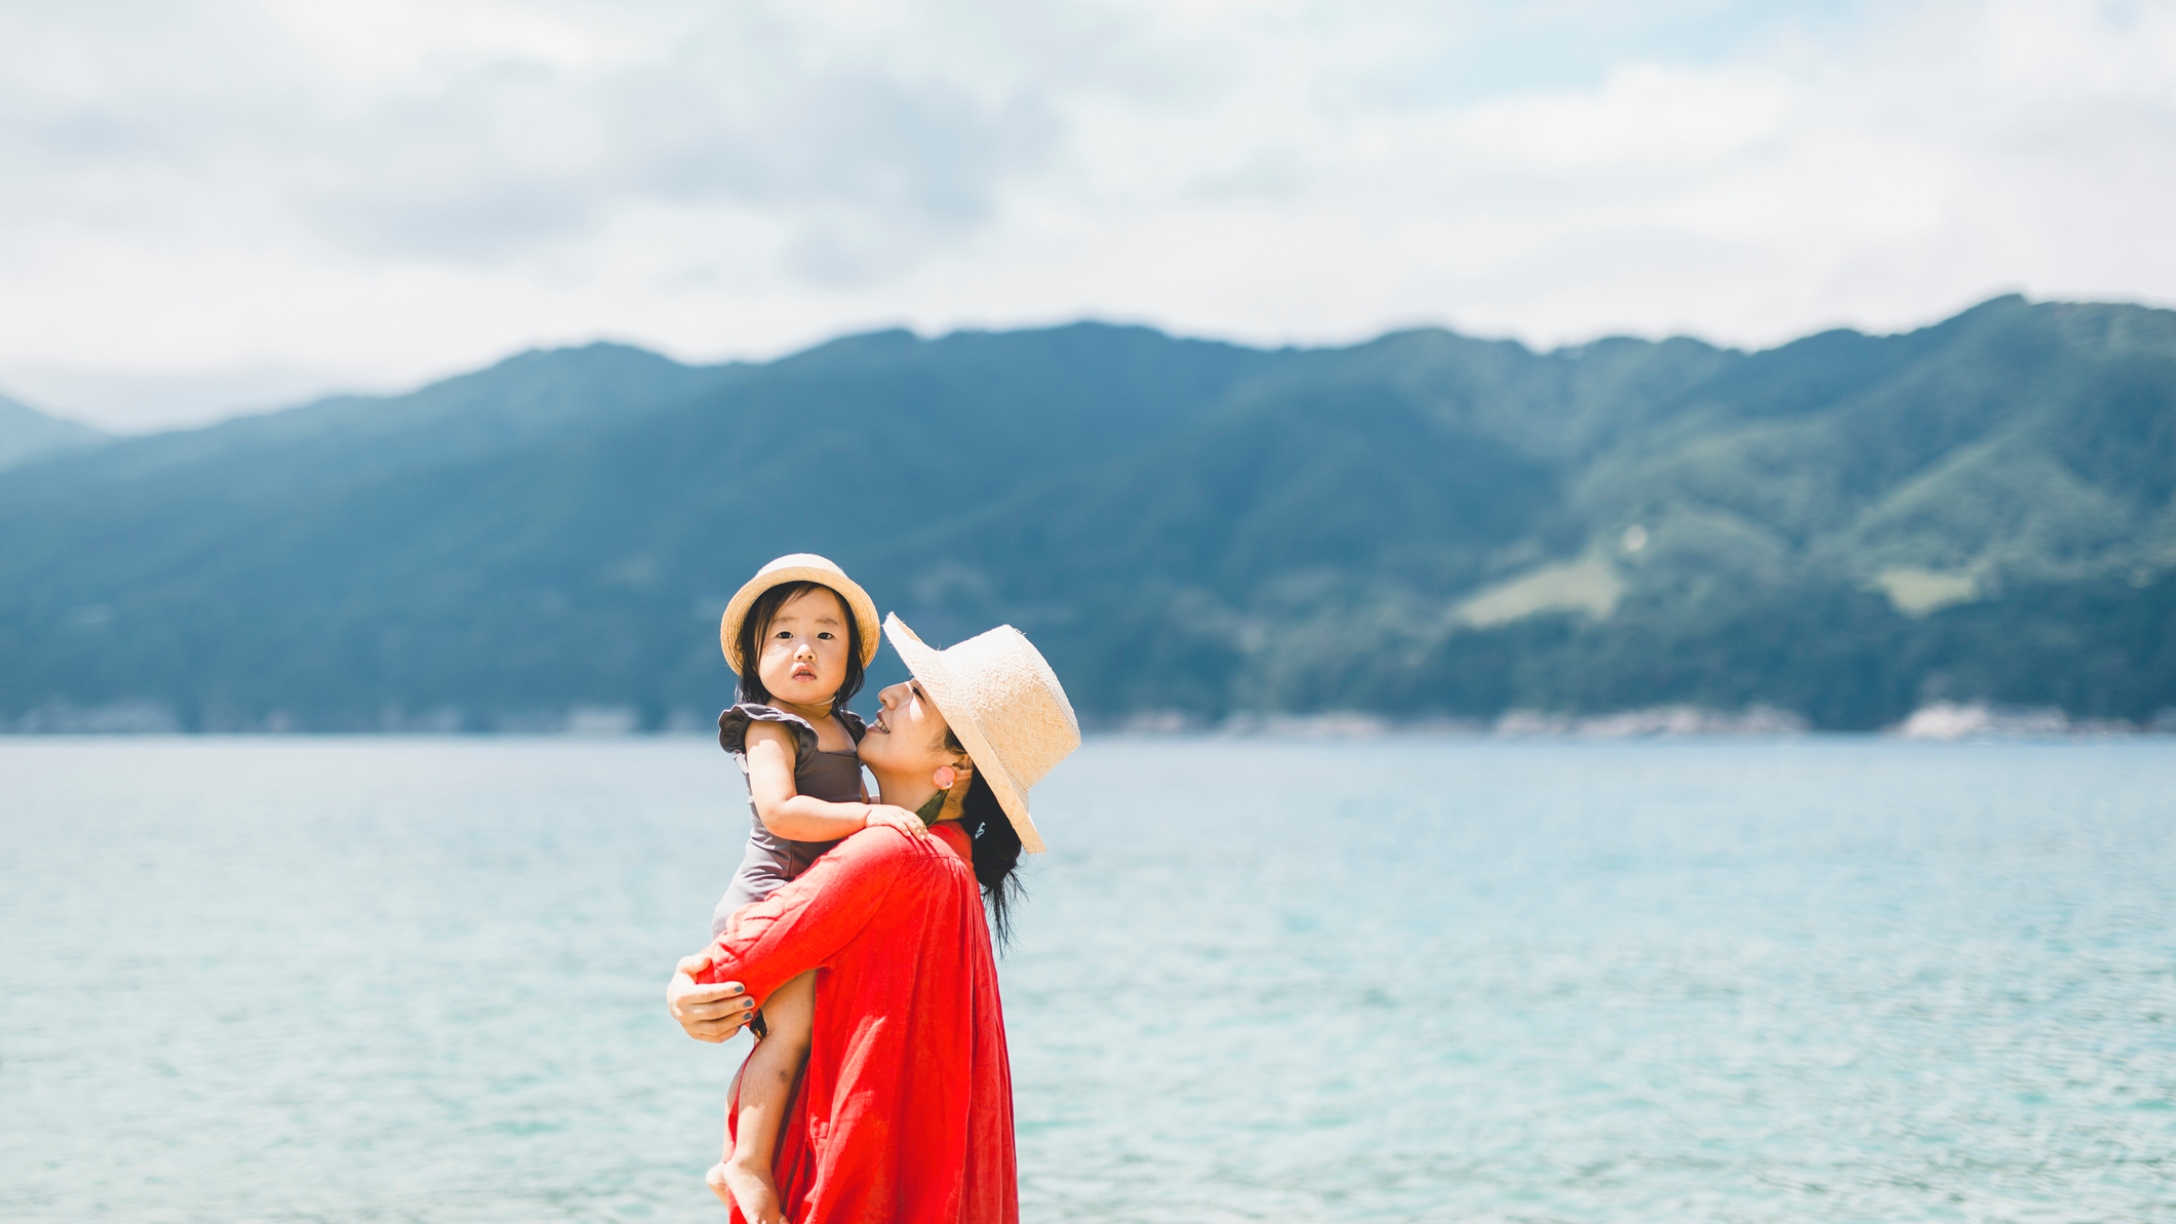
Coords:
201,411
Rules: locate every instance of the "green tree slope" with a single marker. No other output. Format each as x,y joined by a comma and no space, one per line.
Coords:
1846,526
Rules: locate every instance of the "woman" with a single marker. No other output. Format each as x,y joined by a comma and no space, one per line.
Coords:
904,1111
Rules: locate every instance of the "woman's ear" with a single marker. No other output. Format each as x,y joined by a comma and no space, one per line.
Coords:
955,792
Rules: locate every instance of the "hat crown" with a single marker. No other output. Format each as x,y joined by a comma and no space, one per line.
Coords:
800,561
1008,688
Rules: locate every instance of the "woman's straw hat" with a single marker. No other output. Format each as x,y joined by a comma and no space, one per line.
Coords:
1006,706
798,567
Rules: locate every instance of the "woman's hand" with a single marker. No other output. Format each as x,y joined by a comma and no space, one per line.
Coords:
709,1013
896,817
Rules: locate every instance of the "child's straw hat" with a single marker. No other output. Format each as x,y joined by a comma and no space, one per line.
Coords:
798,567
1005,705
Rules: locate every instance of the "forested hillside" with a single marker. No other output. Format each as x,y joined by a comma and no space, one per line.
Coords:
1426,525
26,434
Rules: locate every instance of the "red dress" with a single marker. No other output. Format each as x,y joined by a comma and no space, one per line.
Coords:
904,1112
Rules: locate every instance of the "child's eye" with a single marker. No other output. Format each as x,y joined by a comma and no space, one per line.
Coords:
785,633
827,635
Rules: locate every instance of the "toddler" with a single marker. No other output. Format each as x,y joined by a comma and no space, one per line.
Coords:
798,635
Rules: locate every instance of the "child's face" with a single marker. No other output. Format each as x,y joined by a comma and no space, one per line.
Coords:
804,649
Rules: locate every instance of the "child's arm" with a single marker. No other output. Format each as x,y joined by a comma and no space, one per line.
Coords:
798,817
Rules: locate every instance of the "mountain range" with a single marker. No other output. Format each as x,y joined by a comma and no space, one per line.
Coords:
1428,525
26,434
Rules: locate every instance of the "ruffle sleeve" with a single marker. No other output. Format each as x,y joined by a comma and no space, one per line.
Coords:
733,728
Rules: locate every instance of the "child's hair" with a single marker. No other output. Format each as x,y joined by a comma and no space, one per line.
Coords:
994,845
757,624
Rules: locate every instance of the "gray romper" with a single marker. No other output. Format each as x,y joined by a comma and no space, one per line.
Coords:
834,777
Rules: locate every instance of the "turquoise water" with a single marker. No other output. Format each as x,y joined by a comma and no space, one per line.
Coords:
1824,980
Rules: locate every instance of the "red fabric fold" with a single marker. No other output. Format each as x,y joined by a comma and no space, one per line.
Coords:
904,1112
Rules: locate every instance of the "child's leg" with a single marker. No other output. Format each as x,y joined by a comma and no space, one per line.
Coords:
765,1085
716,1175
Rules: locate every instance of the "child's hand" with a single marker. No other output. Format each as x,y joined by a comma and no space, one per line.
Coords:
896,817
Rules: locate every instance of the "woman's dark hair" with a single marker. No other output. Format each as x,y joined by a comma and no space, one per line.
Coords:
995,847
755,625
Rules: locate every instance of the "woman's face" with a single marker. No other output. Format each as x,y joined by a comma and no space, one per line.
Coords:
908,736
804,649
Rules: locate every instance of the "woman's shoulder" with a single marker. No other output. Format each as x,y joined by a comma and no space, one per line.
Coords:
733,727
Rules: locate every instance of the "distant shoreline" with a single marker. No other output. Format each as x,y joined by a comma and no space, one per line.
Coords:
1938,722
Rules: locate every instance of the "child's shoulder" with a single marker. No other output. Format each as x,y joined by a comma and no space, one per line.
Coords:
734,723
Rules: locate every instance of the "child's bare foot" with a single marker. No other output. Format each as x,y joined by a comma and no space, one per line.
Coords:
750,1188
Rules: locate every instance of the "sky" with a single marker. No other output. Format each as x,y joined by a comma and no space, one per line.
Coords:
215,207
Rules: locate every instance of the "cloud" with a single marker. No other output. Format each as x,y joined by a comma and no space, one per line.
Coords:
380,192
873,170
1641,115
477,142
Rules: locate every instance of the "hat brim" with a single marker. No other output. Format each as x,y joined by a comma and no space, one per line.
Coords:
736,609
927,664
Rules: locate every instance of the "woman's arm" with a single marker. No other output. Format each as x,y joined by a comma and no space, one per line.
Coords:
785,811
709,1013
806,922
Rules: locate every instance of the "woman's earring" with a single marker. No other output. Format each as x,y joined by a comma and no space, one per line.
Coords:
945,777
